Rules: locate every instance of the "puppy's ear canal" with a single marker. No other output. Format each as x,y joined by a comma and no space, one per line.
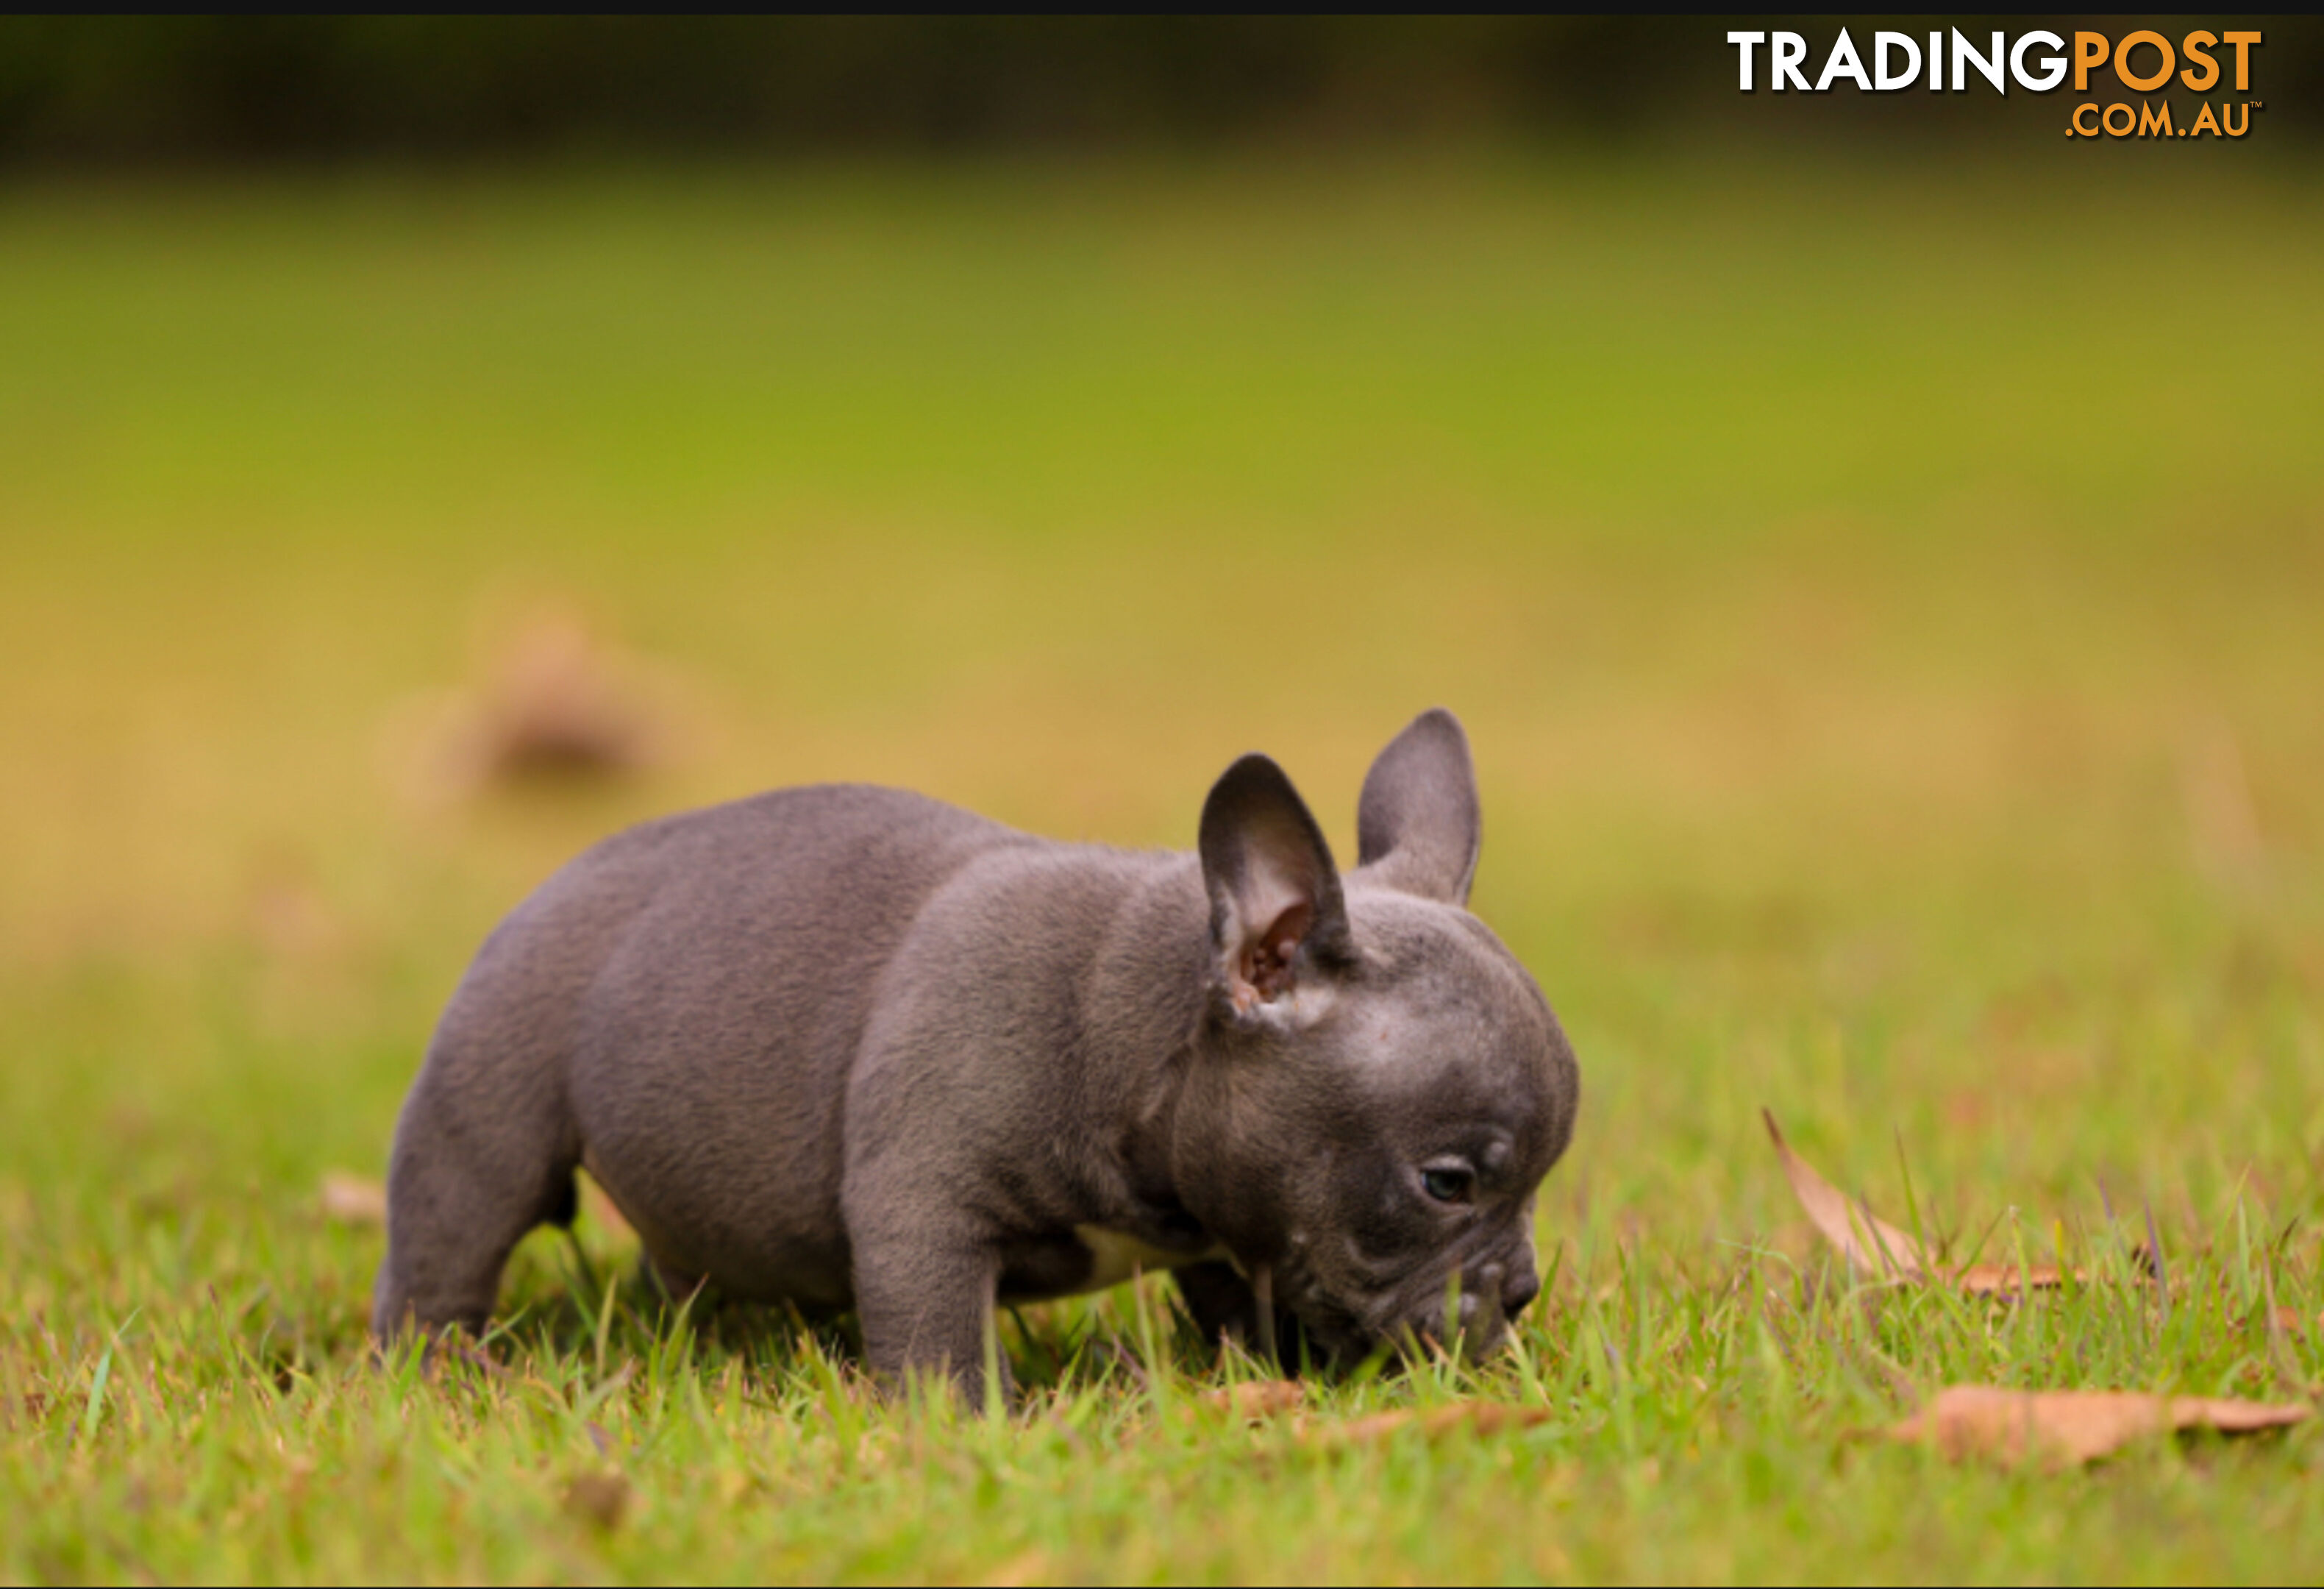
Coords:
1417,824
1275,908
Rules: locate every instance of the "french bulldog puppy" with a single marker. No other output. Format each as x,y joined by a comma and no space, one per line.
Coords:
850,1047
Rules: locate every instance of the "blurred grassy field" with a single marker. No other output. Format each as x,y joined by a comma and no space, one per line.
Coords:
1883,603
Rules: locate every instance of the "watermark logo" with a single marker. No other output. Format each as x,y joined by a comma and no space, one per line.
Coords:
2144,62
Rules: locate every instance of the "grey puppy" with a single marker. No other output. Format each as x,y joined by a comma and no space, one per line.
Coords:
846,1046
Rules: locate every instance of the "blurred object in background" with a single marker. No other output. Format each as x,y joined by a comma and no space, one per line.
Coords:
553,703
2221,821
292,917
169,89
353,1199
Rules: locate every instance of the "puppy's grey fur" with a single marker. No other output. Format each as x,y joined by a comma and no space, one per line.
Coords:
846,1046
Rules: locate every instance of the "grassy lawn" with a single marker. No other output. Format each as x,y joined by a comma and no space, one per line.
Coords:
1883,604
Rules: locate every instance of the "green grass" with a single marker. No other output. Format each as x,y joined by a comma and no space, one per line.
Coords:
1883,603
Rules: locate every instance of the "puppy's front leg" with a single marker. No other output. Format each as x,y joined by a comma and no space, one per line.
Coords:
925,1303
1224,1307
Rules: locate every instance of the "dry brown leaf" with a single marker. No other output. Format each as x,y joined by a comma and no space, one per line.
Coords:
1871,1244
599,1498
1874,1244
2290,1320
1031,1567
1370,1426
2066,1428
351,1199
1257,1401
1994,1279
1483,1418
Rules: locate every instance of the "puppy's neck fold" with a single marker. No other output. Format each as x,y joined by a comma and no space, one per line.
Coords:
1139,1017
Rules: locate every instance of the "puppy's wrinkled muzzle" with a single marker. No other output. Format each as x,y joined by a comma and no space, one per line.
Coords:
1470,1317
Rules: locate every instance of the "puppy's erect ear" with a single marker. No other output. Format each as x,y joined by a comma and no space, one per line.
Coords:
1417,824
1276,910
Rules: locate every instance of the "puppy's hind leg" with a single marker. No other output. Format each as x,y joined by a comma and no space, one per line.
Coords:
475,1165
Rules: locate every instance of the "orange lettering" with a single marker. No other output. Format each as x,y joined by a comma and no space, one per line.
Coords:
2243,43
2089,50
2197,48
2122,60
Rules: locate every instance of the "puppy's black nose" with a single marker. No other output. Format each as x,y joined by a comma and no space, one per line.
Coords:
1518,1293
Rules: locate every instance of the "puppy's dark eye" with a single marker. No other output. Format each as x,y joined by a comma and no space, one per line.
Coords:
1447,1186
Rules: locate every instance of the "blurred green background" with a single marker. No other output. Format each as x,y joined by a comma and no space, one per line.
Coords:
1876,548
1878,573
1879,582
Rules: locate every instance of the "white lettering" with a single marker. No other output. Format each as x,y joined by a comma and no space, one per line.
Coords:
2038,60
1993,71
1785,53
1843,64
2053,66
1882,43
